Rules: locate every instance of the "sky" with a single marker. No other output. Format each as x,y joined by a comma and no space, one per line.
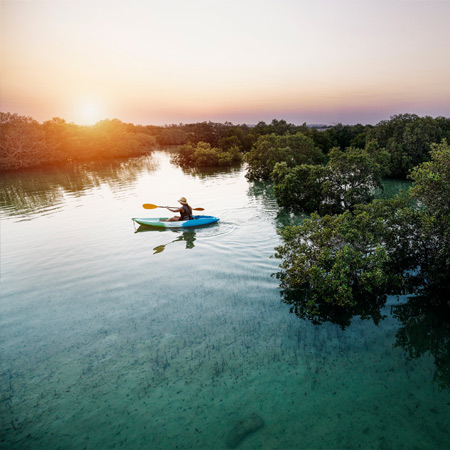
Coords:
182,61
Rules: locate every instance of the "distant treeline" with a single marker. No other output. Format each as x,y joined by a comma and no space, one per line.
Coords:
25,142
406,138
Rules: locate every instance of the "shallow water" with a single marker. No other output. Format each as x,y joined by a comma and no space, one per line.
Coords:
116,337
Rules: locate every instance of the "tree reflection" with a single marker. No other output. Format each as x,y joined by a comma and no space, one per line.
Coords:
425,329
319,312
25,192
262,191
203,173
424,322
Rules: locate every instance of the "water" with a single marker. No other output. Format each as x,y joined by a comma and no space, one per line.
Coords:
116,338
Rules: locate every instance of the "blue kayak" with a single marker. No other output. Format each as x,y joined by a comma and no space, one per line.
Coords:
159,222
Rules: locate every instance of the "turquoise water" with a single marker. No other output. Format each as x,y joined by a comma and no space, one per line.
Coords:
116,337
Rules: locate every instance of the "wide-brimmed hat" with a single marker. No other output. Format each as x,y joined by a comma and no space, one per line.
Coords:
182,201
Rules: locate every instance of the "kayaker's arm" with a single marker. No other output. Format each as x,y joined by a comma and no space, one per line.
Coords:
173,209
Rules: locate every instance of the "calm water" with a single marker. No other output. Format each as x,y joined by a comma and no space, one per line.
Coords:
116,338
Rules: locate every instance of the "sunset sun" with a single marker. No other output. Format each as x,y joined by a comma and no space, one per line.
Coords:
88,113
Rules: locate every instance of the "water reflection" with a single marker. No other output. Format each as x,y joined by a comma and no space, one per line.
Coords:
392,187
424,323
425,329
263,192
206,172
187,236
367,308
41,191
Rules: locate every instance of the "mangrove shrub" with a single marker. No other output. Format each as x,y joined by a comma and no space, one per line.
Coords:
204,155
26,143
349,178
271,149
398,245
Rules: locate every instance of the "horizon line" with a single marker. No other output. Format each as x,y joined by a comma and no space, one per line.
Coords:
252,124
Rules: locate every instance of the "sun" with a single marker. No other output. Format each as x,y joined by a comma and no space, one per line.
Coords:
88,113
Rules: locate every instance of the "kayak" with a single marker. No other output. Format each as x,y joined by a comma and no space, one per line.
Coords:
157,222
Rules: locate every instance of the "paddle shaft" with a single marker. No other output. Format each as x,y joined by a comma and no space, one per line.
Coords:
150,206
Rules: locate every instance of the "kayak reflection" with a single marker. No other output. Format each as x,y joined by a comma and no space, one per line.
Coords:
188,236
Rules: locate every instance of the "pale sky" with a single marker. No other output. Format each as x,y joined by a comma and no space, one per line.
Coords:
172,61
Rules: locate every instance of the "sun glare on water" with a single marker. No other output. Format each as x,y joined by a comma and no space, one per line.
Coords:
88,114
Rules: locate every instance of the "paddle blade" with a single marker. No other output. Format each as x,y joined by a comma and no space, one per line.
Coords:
159,249
198,209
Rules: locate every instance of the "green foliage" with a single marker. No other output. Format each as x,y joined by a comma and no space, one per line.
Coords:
432,190
407,138
350,177
343,136
354,177
172,135
432,180
209,132
300,187
388,246
333,257
376,250
278,127
26,143
226,143
322,139
203,155
223,135
271,149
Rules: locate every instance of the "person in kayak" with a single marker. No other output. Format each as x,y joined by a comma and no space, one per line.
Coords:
185,211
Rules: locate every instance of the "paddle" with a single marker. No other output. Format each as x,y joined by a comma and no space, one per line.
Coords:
150,206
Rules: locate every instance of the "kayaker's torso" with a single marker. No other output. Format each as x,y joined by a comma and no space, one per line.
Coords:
185,213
